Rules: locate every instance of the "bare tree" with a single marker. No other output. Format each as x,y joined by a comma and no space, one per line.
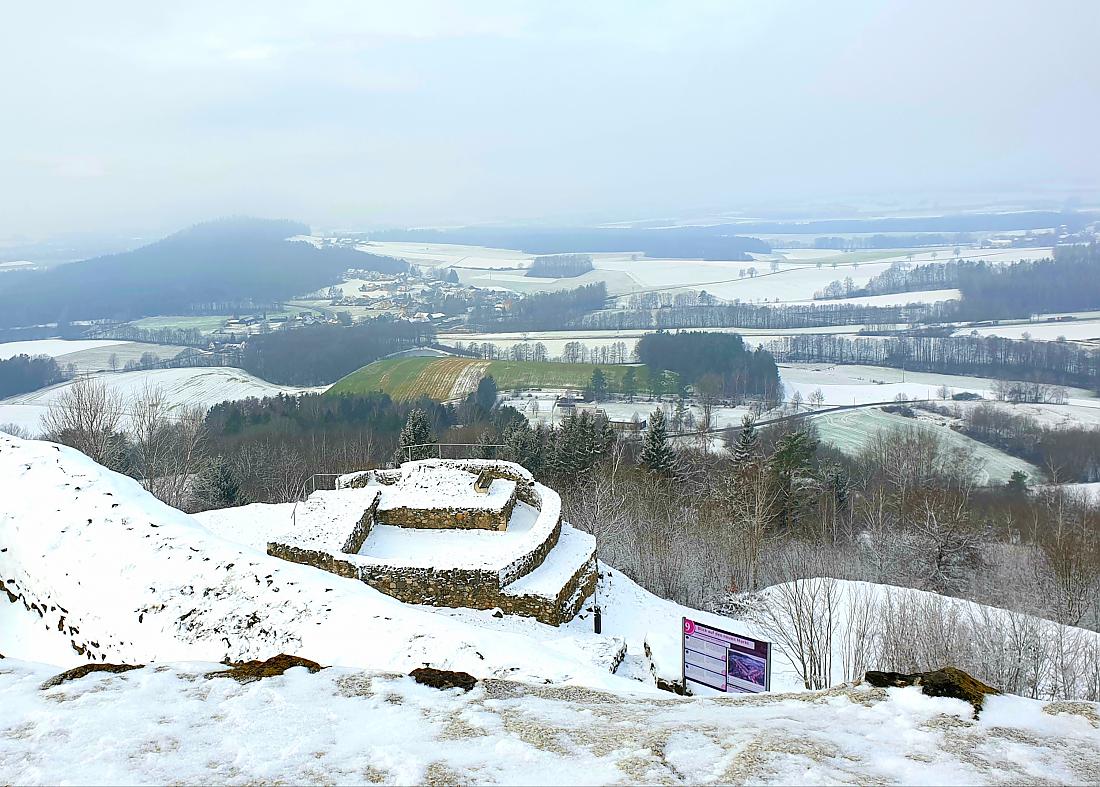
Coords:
87,416
801,616
151,435
16,430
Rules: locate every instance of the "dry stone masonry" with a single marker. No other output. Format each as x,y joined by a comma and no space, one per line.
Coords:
518,555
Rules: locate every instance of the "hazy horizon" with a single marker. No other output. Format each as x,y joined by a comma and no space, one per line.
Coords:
125,116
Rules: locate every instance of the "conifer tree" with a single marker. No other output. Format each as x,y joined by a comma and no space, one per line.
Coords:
679,415
417,431
657,454
748,442
217,487
597,386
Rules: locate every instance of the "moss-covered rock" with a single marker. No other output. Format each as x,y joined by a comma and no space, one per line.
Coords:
443,679
86,669
248,671
945,682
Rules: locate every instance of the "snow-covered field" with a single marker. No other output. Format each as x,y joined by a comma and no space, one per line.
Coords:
851,431
539,407
894,299
1089,491
857,384
799,276
1071,330
88,355
96,359
54,347
201,386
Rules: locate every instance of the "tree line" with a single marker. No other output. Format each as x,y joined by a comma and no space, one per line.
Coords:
1059,363
323,353
1066,454
24,373
541,310
557,266
748,315
716,363
1069,281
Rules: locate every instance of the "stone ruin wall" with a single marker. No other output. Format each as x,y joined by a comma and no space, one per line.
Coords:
472,588
525,487
362,529
449,518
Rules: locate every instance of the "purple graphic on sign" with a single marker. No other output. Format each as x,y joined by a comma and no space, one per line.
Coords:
725,661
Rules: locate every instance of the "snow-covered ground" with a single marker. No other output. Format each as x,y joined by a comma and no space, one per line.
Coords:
96,359
1089,491
175,724
1071,330
53,347
798,279
894,299
200,386
109,568
857,384
539,407
853,430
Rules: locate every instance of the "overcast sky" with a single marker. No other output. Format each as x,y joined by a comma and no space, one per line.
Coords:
133,116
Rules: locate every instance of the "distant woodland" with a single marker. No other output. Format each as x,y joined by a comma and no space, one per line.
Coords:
543,310
560,266
24,373
1070,281
1059,363
322,354
718,361
232,260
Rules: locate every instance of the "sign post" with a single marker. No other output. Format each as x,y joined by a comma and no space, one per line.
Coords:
725,661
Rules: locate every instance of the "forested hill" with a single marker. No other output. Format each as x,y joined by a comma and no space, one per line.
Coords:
226,261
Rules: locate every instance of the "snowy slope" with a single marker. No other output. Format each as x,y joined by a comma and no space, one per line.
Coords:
104,570
176,724
203,386
54,347
96,563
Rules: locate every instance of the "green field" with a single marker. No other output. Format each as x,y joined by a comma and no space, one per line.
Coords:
450,378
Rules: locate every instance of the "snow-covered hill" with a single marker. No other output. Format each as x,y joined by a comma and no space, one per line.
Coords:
96,569
103,570
200,386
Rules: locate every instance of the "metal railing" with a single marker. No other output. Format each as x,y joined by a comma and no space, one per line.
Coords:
438,449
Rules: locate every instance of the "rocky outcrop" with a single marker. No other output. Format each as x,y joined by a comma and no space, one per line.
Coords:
87,669
945,682
248,671
443,679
